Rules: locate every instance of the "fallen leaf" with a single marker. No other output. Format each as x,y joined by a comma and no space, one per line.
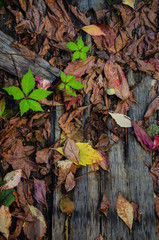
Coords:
130,3
12,179
136,212
116,79
36,229
66,205
93,30
40,191
156,141
88,155
99,237
79,15
143,138
121,119
44,155
79,67
104,164
5,220
156,203
71,151
151,108
70,183
104,205
125,211
42,83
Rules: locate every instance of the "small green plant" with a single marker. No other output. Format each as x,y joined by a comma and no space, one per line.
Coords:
27,96
69,82
79,49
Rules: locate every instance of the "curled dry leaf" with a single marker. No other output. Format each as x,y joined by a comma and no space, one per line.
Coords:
99,237
70,182
64,169
137,213
71,151
116,79
121,119
93,30
36,229
125,211
156,203
66,206
5,220
130,3
104,205
12,179
152,107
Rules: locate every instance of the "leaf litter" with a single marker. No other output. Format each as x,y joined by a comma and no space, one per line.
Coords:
127,41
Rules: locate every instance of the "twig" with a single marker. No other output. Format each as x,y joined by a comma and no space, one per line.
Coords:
16,70
83,175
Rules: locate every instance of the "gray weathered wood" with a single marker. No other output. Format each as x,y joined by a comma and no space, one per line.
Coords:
39,66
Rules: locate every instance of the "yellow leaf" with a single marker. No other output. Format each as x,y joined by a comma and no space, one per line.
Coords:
93,30
5,220
125,211
88,155
130,3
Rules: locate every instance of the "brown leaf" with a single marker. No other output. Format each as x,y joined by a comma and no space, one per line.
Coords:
40,191
17,156
23,5
5,220
104,205
70,183
125,211
79,67
66,206
156,202
151,108
44,155
116,79
136,211
79,15
64,169
99,237
71,151
93,30
18,229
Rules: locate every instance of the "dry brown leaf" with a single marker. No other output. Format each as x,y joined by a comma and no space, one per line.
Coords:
23,5
5,221
66,205
79,15
71,151
93,30
70,183
151,108
104,205
125,210
99,237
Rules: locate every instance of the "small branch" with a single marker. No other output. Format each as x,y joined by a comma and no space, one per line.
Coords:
83,175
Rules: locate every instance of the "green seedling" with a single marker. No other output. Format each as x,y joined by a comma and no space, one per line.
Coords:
29,98
79,49
69,83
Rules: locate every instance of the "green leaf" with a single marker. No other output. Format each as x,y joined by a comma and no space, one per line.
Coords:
24,107
63,76
2,106
83,56
70,78
85,49
75,84
28,82
7,197
39,94
76,55
61,86
15,92
80,43
72,46
35,106
70,91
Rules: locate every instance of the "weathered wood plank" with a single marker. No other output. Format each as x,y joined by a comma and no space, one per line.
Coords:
39,66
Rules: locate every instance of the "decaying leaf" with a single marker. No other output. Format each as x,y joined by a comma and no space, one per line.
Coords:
151,108
130,3
71,151
66,205
104,205
99,237
5,220
12,179
121,119
36,229
70,183
40,191
125,211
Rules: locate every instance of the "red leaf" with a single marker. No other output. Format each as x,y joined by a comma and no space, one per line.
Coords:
104,205
156,141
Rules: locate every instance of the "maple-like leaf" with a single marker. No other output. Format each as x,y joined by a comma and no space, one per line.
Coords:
12,179
5,221
104,205
125,210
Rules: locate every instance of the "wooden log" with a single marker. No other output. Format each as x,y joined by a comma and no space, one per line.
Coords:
39,66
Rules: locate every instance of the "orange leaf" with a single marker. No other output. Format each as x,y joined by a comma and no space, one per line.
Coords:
125,210
93,30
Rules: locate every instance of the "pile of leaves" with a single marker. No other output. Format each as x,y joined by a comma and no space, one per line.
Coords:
123,39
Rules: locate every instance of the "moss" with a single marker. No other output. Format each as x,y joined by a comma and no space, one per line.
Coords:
153,130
